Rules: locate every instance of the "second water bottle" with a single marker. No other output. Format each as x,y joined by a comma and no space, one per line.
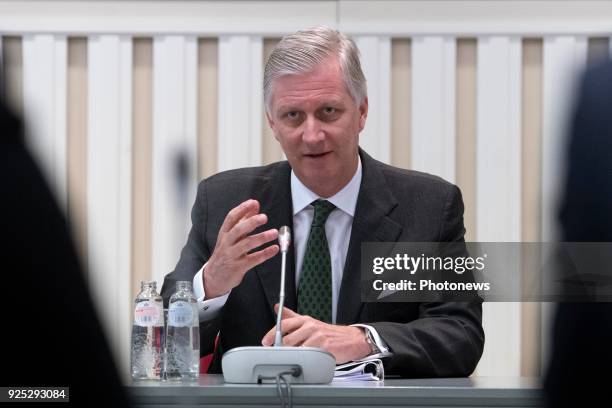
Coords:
183,334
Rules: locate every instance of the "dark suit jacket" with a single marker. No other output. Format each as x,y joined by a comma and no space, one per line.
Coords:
427,339
583,331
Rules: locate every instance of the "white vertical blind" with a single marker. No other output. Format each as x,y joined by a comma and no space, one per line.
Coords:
174,140
498,193
109,167
240,101
433,105
45,61
376,65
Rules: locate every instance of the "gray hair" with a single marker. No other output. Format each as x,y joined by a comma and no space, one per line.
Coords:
303,51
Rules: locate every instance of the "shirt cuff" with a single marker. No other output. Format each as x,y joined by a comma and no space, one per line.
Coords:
207,309
380,343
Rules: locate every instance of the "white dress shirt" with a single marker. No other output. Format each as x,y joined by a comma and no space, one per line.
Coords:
337,227
337,230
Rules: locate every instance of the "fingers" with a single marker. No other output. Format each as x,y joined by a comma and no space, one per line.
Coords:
254,241
245,226
238,213
301,336
232,256
239,222
287,313
296,328
288,326
254,259
249,221
268,338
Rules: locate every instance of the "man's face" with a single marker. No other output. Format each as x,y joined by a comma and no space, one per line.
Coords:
317,123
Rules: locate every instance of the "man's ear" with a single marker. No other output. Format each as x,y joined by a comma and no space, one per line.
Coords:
363,113
271,123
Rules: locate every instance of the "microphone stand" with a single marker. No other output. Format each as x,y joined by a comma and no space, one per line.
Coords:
255,365
284,239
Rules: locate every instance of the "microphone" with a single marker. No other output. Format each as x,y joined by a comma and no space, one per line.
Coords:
284,239
256,364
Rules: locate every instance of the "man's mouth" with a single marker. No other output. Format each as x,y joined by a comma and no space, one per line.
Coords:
316,155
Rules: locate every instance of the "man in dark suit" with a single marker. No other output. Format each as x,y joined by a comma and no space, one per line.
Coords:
582,332
334,197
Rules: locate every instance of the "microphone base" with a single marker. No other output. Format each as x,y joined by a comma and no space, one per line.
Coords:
249,365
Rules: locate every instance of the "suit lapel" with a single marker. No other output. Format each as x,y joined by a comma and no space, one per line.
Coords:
275,200
370,224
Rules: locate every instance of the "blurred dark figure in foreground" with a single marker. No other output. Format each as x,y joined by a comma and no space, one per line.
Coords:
50,333
582,334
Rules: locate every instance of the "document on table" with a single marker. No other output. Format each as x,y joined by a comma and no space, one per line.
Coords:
361,370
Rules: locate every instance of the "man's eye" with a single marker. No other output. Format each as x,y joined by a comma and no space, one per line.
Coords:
329,110
292,115
328,114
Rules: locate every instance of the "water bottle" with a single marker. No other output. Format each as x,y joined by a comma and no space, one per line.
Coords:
183,336
147,333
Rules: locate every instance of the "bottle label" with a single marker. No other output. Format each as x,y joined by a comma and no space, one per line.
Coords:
147,313
180,314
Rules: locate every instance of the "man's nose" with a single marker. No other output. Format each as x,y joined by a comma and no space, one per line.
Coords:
313,133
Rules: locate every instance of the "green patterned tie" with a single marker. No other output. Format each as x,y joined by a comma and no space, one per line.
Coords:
315,292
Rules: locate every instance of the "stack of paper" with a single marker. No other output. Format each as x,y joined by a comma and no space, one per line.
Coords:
361,370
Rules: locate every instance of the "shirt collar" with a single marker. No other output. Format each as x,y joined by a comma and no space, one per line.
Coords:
345,199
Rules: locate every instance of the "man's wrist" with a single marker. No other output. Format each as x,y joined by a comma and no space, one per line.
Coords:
361,349
374,349
209,290
383,348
